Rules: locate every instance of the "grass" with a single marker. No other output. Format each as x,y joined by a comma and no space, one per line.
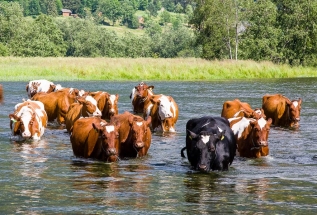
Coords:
124,69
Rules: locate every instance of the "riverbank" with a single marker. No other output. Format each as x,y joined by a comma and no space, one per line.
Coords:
123,69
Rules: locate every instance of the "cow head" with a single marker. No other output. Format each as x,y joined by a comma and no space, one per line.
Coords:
34,88
259,132
143,90
24,123
205,147
108,134
258,113
90,107
294,112
139,129
111,107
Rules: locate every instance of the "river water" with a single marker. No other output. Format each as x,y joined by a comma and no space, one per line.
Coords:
44,177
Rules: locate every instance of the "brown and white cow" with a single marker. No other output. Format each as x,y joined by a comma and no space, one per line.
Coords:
107,103
44,86
93,137
84,107
251,135
236,108
163,111
57,103
283,111
134,135
1,94
28,121
139,95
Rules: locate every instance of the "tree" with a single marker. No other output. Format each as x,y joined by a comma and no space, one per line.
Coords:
128,11
260,35
110,9
34,7
73,5
215,22
297,21
52,8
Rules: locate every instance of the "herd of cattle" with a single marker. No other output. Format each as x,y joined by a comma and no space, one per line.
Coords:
97,130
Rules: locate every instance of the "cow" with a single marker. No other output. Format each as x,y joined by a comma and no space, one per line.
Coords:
84,107
57,103
283,111
163,111
93,137
44,86
134,135
236,108
1,94
210,143
28,121
139,95
107,103
251,136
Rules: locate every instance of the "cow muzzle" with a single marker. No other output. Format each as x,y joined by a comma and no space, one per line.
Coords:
139,145
203,168
111,152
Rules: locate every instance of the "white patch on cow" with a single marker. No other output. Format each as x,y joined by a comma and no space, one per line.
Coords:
165,108
219,129
262,122
109,128
172,129
205,138
81,92
148,110
97,112
258,112
240,126
112,99
295,103
234,118
58,87
237,114
71,90
43,86
139,123
25,115
102,124
133,94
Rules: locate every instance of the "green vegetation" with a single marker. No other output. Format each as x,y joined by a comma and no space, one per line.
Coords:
127,69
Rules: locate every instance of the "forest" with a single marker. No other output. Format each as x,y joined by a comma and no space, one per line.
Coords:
280,31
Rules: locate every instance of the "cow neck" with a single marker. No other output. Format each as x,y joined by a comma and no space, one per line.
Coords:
253,147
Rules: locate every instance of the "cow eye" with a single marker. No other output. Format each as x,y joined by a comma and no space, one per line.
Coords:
31,122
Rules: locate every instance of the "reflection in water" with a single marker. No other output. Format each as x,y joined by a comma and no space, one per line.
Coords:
31,168
122,185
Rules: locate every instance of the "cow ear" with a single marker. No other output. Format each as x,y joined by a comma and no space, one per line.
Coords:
299,101
14,118
117,96
221,135
97,127
191,134
269,121
151,88
81,100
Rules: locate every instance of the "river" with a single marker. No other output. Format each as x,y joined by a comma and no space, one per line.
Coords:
44,177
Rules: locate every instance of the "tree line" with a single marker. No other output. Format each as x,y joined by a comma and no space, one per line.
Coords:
281,31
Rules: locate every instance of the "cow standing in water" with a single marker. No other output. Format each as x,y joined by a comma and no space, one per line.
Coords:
107,103
283,111
139,95
251,136
44,86
28,121
134,135
210,143
236,108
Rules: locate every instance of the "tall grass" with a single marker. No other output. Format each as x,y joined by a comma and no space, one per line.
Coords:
123,69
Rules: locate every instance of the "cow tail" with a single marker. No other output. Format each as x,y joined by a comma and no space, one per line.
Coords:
182,152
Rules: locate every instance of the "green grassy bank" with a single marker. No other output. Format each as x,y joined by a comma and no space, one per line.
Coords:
122,69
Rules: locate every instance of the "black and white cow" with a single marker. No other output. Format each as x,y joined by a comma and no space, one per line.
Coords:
210,143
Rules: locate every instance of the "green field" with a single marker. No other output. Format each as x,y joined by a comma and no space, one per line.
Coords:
123,69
